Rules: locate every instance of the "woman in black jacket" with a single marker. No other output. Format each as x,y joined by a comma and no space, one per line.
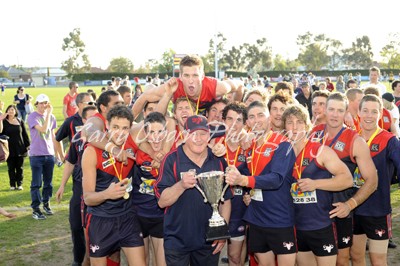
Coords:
18,144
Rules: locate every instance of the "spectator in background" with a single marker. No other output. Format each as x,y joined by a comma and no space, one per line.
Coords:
70,107
315,86
3,89
156,80
329,85
304,98
126,82
322,86
21,99
351,84
117,83
92,93
41,124
138,92
340,84
126,94
18,143
388,103
396,91
374,75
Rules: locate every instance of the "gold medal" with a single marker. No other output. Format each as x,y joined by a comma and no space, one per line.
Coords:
126,195
252,193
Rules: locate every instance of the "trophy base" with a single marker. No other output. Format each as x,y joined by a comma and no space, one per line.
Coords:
217,233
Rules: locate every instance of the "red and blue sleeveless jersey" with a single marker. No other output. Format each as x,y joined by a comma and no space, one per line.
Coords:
143,182
386,120
207,96
311,208
105,175
342,145
385,152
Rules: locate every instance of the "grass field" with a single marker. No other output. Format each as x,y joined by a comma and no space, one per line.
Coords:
25,241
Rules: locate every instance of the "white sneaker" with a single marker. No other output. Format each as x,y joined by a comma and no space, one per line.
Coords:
12,188
20,188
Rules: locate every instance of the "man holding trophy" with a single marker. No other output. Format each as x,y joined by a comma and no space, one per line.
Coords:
190,179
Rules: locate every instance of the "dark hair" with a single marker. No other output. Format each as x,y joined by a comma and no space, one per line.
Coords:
372,90
191,60
93,94
220,100
105,98
284,85
183,99
153,117
338,96
19,88
281,97
256,104
371,98
237,107
80,96
350,81
86,109
319,94
124,89
12,106
72,84
394,84
120,111
147,105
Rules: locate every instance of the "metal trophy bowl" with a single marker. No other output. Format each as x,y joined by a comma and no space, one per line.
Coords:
210,186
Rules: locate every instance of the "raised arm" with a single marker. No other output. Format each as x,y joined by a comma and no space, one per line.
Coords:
149,95
227,86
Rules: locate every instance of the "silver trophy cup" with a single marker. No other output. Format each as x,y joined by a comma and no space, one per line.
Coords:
210,185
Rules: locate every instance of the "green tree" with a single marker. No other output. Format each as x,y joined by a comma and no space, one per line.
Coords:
78,61
210,57
314,50
279,63
4,74
166,62
391,51
121,65
234,59
360,54
257,56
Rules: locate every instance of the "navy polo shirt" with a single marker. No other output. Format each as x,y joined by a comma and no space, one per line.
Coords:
74,156
186,221
69,128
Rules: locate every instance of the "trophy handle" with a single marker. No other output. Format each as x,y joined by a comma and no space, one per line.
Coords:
202,193
223,192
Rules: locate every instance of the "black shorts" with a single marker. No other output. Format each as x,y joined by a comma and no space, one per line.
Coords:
107,235
321,242
153,227
237,228
344,231
377,228
198,257
279,240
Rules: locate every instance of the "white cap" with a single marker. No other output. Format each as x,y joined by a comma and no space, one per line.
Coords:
42,98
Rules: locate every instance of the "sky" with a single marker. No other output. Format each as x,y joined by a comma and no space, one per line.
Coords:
32,32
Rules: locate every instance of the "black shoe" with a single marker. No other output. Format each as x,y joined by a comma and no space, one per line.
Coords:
76,263
47,209
391,244
38,215
225,260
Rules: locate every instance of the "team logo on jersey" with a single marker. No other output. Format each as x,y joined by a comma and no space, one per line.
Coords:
94,248
130,151
375,147
386,119
108,163
78,128
105,154
241,158
147,186
267,152
288,245
339,146
241,228
146,166
328,248
306,162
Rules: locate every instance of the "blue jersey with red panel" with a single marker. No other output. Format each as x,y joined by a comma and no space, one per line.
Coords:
385,152
270,170
311,207
342,145
70,127
185,222
107,171
143,187
74,156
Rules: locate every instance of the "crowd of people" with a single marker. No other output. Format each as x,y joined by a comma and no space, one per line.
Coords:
309,168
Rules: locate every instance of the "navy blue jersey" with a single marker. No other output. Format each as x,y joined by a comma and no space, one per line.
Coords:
143,181
385,152
69,128
74,156
185,222
311,209
105,175
270,169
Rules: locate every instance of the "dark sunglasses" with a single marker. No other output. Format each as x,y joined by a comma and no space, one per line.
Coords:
90,103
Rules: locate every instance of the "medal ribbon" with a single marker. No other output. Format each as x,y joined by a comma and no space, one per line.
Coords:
227,155
299,169
253,169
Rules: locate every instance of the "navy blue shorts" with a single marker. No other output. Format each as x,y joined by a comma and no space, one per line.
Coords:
107,235
344,231
377,228
153,227
321,242
237,228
